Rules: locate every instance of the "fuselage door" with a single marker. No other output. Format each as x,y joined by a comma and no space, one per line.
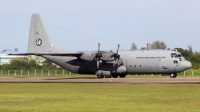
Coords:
164,65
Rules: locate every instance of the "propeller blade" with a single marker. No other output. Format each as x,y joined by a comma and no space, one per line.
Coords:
98,47
114,62
97,63
118,47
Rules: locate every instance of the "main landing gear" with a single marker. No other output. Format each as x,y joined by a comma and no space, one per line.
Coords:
173,75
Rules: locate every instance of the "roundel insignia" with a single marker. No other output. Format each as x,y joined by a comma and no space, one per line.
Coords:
38,41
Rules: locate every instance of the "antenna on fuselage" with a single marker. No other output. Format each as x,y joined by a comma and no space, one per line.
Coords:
174,50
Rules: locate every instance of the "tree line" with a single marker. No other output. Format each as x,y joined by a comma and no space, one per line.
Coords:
28,64
154,45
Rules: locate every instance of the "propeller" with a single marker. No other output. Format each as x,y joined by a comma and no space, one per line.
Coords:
98,55
116,55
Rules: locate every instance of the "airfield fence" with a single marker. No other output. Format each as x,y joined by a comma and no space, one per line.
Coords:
35,72
190,72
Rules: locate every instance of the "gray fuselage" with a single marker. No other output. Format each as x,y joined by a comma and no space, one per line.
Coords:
133,62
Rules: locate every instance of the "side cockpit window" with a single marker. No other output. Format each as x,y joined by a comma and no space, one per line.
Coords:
173,55
180,56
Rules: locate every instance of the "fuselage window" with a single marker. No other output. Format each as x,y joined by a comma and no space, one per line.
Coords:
140,66
135,65
175,61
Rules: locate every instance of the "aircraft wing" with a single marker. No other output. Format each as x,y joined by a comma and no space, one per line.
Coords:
51,54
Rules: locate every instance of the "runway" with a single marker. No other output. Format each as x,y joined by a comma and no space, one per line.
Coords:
179,80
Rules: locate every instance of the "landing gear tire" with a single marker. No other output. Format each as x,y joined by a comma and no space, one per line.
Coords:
173,75
114,75
122,75
100,76
108,76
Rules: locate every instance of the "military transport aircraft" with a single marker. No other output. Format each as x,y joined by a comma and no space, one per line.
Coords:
104,63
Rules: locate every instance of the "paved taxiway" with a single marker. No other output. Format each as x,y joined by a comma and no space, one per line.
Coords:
104,80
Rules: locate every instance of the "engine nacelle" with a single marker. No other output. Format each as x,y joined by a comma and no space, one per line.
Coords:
107,56
119,70
88,56
102,72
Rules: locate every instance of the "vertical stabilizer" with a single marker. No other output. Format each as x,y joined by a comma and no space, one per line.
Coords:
39,40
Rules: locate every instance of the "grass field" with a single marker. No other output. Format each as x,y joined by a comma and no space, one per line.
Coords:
92,97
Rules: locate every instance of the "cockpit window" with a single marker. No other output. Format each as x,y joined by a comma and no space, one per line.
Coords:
179,55
173,55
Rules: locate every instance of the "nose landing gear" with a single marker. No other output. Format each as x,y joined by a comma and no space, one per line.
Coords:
173,75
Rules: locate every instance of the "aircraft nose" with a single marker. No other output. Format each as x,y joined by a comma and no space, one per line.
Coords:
188,65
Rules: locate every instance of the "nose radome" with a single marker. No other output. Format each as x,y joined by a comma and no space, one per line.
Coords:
189,64
185,65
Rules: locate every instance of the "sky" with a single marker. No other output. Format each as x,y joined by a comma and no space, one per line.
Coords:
80,25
